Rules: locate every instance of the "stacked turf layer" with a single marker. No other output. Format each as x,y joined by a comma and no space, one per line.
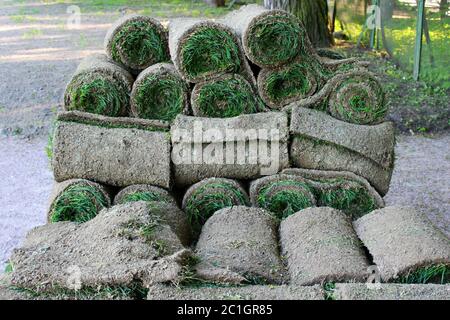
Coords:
282,195
405,246
99,86
341,190
137,42
204,198
143,192
114,151
77,200
159,93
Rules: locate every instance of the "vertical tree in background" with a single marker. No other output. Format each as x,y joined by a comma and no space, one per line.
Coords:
216,3
312,13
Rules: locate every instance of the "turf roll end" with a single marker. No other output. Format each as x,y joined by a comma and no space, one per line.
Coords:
77,200
143,192
137,42
159,93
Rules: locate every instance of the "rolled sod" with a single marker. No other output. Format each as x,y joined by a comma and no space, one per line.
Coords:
224,97
137,42
115,151
255,292
204,198
282,194
77,200
242,240
391,291
341,190
159,93
320,246
270,37
143,192
283,85
244,147
405,246
99,86
123,246
322,142
201,50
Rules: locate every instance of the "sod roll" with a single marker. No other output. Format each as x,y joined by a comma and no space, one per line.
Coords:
354,96
224,97
123,246
405,246
322,142
99,86
143,192
159,93
114,151
320,245
341,190
242,240
204,49
391,291
255,292
204,198
282,194
77,200
243,147
270,37
137,42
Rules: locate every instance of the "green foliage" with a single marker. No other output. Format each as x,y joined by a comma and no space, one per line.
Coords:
140,44
209,50
160,98
9,267
97,94
284,198
329,288
226,98
79,202
143,196
439,273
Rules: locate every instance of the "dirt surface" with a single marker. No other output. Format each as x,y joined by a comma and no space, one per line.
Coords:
39,53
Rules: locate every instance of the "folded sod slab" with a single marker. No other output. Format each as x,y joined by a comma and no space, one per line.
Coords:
159,93
114,151
320,245
242,240
77,200
137,42
99,86
405,246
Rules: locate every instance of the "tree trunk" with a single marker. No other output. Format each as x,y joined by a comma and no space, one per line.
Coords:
312,13
443,8
216,3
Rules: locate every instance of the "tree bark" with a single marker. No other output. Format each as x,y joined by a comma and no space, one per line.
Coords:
443,8
216,3
312,13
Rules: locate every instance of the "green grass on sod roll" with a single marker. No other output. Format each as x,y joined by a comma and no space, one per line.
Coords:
98,94
284,203
210,198
78,203
439,274
143,196
209,50
140,44
227,97
160,98
276,41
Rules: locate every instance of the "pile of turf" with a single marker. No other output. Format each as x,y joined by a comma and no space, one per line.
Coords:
159,93
204,198
99,86
77,200
137,42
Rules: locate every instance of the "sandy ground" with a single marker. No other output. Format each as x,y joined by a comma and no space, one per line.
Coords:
38,54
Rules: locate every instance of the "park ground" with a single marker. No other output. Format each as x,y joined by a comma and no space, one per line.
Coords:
39,51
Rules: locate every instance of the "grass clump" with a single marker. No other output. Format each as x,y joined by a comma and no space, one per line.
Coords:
159,98
209,51
284,198
139,44
227,97
275,40
96,94
439,274
143,196
79,203
329,288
